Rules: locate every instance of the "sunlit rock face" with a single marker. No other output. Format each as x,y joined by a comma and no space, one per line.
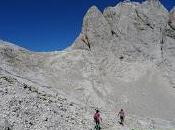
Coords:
124,57
172,18
128,42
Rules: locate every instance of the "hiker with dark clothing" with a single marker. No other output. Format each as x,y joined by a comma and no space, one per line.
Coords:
122,116
97,118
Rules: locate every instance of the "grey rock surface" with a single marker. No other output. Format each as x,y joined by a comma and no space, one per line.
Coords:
172,18
124,57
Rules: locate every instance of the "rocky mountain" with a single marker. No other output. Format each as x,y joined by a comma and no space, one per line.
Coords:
124,58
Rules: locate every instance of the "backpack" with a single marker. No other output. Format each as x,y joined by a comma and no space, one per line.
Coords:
96,116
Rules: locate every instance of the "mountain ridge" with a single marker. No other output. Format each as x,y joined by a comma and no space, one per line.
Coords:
123,58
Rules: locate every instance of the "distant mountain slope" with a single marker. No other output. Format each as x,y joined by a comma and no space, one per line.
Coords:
123,58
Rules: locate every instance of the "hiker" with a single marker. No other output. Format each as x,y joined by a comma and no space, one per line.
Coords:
122,116
97,119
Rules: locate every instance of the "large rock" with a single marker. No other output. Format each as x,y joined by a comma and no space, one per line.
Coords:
172,18
123,57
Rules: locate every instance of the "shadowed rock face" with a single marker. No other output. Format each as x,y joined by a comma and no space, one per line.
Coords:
123,58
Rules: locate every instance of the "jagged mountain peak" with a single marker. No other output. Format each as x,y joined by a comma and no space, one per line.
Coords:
93,9
123,58
126,24
128,32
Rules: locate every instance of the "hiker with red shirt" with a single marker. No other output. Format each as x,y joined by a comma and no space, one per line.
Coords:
97,117
122,116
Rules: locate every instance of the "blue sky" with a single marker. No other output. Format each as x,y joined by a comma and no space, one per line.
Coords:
47,25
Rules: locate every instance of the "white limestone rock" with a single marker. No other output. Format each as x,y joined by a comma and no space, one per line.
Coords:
172,18
123,58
